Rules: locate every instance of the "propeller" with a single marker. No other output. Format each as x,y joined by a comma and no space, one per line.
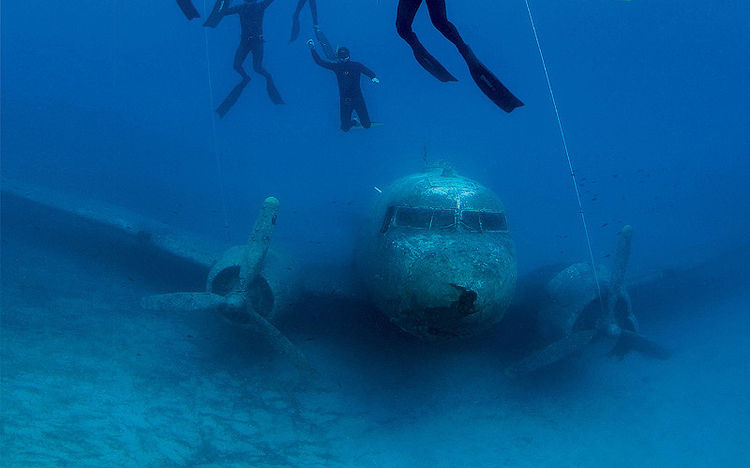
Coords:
240,305
574,289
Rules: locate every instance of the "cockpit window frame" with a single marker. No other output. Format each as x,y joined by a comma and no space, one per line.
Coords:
439,219
417,218
490,218
388,219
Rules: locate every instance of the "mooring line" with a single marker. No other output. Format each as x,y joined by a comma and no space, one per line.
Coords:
219,170
567,155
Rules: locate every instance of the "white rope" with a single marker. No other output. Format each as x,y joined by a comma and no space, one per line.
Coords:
220,172
567,155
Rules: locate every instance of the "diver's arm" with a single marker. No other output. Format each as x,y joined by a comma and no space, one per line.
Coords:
228,9
320,61
366,71
265,3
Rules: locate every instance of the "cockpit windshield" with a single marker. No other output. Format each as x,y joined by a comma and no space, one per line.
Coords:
413,217
442,220
481,221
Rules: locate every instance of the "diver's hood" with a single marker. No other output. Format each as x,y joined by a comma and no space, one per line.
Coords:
342,54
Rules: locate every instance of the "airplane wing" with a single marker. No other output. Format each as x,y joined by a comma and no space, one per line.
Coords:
28,200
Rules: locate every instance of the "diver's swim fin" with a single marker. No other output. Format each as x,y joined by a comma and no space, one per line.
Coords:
430,63
295,29
216,15
273,93
231,98
325,44
356,125
188,9
488,82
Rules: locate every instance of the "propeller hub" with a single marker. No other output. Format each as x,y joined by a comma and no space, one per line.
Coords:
235,300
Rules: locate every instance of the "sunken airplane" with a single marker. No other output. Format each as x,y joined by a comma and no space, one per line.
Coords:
437,258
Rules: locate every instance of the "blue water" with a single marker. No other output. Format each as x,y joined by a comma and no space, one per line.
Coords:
114,101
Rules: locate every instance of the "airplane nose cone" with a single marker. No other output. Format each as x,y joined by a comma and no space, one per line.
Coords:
450,289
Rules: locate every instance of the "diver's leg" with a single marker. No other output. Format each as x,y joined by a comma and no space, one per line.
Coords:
407,9
346,109
439,19
405,13
295,20
257,50
361,108
242,50
483,77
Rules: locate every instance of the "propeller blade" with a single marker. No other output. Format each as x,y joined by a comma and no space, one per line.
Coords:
552,353
630,341
622,255
280,342
258,243
614,321
185,301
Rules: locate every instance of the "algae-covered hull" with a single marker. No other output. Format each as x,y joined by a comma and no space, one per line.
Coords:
439,259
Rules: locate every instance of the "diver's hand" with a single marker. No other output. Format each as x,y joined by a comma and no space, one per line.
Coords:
310,44
376,80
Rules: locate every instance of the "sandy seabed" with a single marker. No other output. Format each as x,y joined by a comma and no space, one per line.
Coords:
90,379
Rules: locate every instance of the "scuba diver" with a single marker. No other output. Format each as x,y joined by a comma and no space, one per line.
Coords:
188,9
485,79
322,39
350,93
251,40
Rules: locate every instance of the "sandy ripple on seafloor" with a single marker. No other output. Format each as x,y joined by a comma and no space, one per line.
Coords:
75,410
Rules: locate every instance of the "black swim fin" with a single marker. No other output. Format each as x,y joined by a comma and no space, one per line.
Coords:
217,13
488,82
231,98
295,29
325,44
188,9
273,93
430,63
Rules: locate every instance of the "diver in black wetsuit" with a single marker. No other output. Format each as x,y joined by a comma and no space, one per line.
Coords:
251,40
350,93
325,44
485,79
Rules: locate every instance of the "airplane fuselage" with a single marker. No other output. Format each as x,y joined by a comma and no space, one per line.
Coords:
439,259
